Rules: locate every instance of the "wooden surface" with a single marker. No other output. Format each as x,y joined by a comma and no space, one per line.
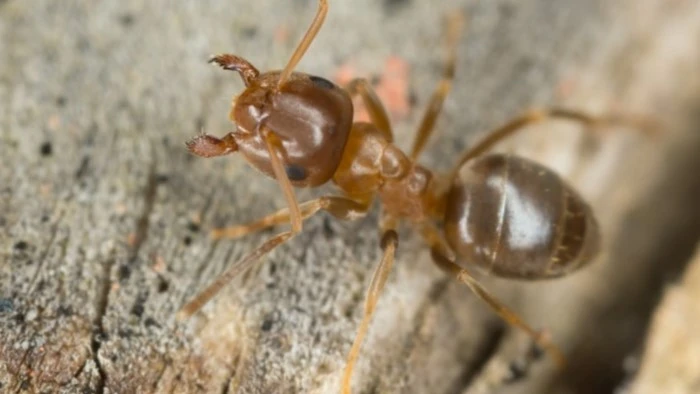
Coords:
104,215
671,360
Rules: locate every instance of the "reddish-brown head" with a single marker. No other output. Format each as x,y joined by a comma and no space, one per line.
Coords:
310,116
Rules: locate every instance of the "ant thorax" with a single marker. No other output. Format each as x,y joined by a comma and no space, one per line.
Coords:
372,165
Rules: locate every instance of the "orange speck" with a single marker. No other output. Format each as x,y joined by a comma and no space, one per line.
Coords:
159,265
196,218
392,88
281,34
46,190
344,74
565,88
53,122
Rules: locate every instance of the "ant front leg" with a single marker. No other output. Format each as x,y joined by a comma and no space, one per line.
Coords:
427,125
375,108
340,207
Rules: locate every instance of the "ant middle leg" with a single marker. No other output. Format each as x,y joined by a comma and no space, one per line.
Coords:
389,242
340,207
427,125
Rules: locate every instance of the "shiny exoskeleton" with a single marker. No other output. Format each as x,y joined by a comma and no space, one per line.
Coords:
516,219
508,215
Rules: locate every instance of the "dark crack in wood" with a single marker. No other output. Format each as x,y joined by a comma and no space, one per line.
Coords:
144,219
45,253
98,331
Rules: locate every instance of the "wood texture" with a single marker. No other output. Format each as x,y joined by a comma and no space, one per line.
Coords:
671,360
104,216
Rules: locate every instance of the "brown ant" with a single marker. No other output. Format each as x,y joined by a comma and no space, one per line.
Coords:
510,216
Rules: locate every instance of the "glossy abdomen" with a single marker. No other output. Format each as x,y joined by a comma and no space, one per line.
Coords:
517,219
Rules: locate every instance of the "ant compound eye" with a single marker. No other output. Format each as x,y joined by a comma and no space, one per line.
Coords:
322,82
295,172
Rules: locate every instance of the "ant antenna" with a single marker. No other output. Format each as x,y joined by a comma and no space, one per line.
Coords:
305,42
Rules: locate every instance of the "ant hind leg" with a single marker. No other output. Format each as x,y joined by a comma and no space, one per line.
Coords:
441,255
500,372
503,311
541,115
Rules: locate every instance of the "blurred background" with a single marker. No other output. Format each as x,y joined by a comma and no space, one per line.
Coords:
104,216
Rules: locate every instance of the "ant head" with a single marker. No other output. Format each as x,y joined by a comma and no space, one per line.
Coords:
308,115
308,118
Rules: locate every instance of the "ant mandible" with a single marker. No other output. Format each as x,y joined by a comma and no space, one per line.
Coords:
505,214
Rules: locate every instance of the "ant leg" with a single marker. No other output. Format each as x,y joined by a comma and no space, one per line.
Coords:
441,255
246,262
389,243
541,115
305,42
504,312
236,269
340,207
375,108
427,125
205,145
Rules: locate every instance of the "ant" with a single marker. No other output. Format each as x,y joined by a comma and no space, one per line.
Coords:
508,215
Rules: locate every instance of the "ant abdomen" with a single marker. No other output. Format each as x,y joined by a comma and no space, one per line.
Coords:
309,115
517,219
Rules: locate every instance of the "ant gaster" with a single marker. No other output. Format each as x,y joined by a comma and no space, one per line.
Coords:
508,215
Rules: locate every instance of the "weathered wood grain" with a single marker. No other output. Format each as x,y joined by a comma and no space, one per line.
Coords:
671,360
104,215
